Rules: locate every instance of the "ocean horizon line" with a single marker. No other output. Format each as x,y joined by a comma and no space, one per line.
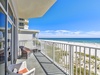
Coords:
82,40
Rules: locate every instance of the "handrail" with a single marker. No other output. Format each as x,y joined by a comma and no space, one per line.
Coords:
71,43
74,59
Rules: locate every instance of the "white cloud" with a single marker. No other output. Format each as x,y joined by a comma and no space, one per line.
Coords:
94,32
77,32
68,34
61,31
47,31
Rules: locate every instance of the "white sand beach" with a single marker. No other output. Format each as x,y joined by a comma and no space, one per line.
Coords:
92,46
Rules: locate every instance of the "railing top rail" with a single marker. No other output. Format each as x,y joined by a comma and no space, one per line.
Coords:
1,40
24,40
71,44
27,40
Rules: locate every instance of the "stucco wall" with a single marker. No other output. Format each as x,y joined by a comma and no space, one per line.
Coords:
26,40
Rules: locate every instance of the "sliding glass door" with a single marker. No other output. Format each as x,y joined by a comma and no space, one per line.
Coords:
8,35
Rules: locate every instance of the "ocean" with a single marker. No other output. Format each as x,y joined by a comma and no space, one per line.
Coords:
82,40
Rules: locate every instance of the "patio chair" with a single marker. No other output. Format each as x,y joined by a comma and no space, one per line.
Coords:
2,55
20,69
25,51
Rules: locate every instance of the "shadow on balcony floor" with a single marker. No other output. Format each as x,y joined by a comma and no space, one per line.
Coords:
48,66
42,64
32,62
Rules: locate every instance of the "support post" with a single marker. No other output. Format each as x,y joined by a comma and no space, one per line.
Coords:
70,60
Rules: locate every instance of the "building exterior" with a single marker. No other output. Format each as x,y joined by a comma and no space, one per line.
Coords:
10,12
23,23
25,33
71,55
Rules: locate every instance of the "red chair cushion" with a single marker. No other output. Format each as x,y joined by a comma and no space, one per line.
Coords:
23,71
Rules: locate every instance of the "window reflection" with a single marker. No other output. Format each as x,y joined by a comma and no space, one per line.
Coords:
9,41
3,2
2,35
2,18
10,12
14,20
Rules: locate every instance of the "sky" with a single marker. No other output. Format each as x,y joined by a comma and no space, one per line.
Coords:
69,19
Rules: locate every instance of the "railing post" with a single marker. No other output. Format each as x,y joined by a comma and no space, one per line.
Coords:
84,62
53,45
76,60
41,45
70,60
45,48
95,61
66,60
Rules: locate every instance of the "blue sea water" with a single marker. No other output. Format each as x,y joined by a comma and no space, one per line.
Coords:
83,40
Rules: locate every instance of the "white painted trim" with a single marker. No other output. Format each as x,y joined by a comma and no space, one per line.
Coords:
3,8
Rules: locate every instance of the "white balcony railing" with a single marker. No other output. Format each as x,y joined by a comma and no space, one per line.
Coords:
74,59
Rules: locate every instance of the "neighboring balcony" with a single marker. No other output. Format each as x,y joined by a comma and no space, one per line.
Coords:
23,20
69,58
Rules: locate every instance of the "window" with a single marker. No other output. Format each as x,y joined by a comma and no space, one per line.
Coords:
2,26
21,24
2,18
3,2
9,41
2,35
10,12
21,19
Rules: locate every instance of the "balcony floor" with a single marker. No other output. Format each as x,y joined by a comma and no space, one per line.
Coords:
32,62
42,64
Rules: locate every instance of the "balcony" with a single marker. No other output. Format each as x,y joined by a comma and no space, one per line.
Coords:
62,58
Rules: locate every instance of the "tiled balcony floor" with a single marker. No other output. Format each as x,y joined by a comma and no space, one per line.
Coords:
32,62
42,64
48,66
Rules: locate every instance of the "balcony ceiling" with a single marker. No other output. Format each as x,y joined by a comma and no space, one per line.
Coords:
33,8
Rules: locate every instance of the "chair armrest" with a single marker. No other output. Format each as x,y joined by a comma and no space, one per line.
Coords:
23,65
32,71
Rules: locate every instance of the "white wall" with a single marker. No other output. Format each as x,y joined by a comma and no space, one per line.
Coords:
25,36
26,40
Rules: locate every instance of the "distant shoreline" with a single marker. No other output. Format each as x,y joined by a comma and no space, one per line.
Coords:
76,40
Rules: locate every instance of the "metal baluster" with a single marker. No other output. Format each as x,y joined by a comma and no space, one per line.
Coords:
62,54
64,57
80,58
76,60
60,49
53,51
95,61
89,61
45,48
71,61
41,46
66,60
84,63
